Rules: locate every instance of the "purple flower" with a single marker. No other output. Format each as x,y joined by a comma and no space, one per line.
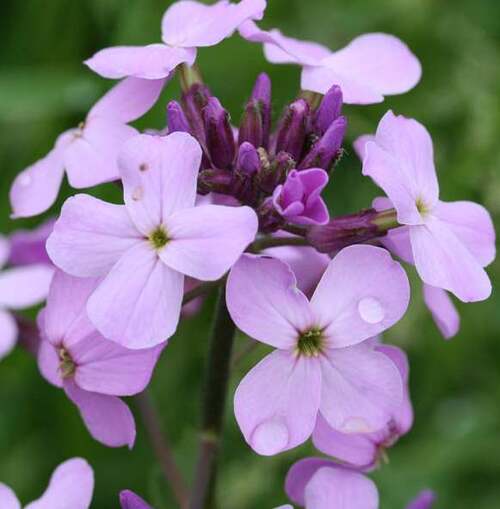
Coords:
363,450
322,364
368,68
129,500
450,242
316,483
186,25
425,500
87,153
27,247
71,486
299,198
20,288
92,370
144,248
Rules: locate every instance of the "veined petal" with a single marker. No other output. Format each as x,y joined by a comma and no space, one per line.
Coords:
152,62
49,362
277,402
443,310
8,333
90,236
362,293
71,485
207,240
265,303
138,304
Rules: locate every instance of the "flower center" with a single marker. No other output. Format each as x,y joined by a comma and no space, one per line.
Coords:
310,343
67,366
422,207
159,238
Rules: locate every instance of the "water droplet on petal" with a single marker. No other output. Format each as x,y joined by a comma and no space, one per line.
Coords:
26,180
371,310
137,193
355,425
270,437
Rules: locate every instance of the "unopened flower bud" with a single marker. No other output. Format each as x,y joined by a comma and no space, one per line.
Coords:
329,110
274,173
193,102
269,219
215,181
219,134
292,131
176,119
248,159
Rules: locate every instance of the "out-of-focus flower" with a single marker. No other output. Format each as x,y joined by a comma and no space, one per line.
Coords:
129,500
144,248
368,68
27,247
92,370
87,153
186,25
322,364
425,500
71,487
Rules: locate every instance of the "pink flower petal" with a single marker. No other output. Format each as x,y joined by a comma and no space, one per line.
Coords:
191,24
108,419
27,247
362,293
152,62
5,250
138,303
362,388
71,485
23,287
472,225
359,144
8,498
277,402
330,488
207,240
129,500
8,333
90,236
49,362
159,177
265,303
130,99
443,310
91,158
444,262
424,500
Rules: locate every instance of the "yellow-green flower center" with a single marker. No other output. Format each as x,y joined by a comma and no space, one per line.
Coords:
159,238
310,343
67,366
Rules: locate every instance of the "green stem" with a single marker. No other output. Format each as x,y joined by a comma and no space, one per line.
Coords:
267,242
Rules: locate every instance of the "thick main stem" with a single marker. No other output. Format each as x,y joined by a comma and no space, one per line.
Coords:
162,448
213,405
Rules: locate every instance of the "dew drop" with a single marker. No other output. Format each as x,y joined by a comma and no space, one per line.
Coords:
270,437
371,310
26,180
138,193
355,425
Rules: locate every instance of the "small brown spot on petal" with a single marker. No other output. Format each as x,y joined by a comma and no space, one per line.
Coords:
143,167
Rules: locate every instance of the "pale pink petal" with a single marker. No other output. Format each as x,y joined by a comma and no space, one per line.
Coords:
71,486
108,368
90,236
152,62
424,500
444,262
362,388
443,310
92,157
28,246
108,419
138,303
401,162
277,402
337,488
35,189
300,474
8,498
472,225
49,362
191,24
206,241
265,303
368,68
159,176
356,449
362,293
8,333
23,287
130,99
359,145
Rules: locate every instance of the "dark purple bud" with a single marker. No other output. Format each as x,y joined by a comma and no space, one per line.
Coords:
176,119
275,172
215,181
326,150
193,101
329,110
256,123
219,134
129,500
352,229
248,159
269,219
292,130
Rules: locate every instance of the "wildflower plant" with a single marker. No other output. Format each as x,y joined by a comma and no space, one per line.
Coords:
209,204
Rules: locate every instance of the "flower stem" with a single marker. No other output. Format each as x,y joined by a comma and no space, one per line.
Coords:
213,405
161,448
267,242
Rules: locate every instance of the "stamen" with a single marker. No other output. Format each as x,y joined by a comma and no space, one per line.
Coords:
159,238
310,343
67,366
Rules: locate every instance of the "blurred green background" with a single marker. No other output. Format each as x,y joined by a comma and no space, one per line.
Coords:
454,447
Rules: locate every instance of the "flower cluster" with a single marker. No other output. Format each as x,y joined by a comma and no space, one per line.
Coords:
207,203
